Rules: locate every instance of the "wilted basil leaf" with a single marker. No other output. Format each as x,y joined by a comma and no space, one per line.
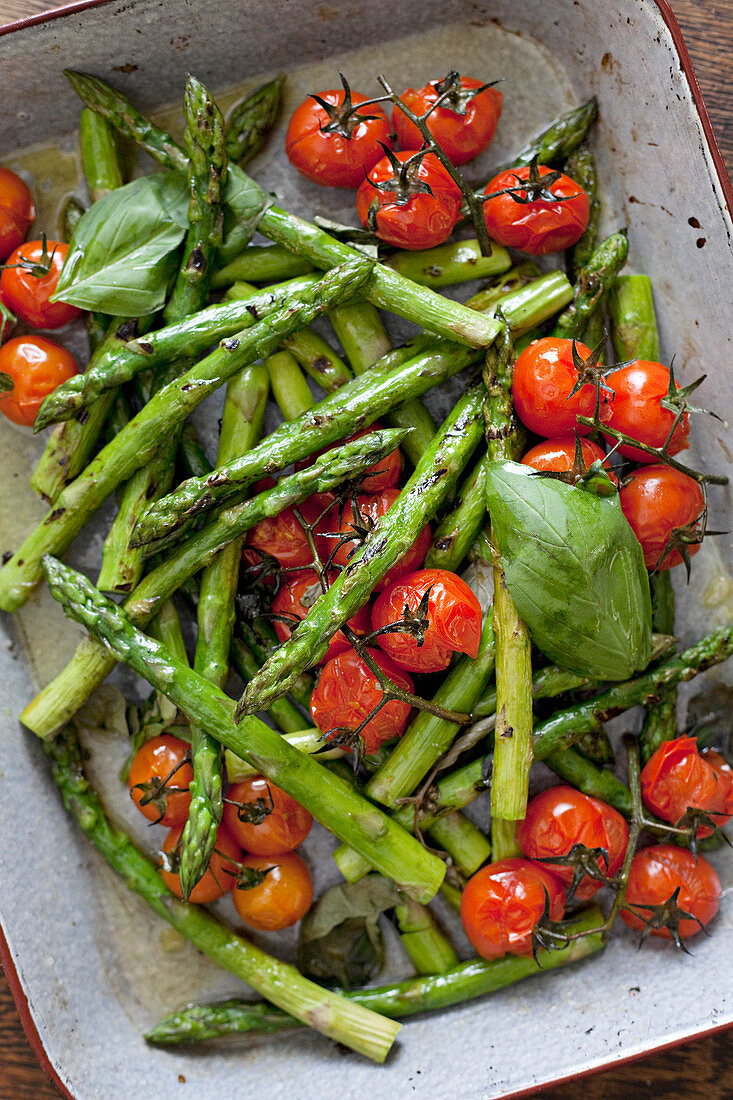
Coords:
340,940
124,250
575,571
246,202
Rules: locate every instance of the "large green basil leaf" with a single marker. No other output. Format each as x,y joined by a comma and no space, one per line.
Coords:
124,250
340,940
246,202
575,571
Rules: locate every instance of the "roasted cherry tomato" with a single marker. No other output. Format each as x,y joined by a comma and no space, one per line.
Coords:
28,281
560,817
264,819
297,594
159,779
404,212
16,211
36,366
503,902
218,878
544,375
536,224
333,140
382,475
283,537
657,501
271,894
656,873
463,125
559,455
453,613
679,777
346,692
635,408
372,507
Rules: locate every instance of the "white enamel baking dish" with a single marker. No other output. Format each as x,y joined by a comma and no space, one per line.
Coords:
77,946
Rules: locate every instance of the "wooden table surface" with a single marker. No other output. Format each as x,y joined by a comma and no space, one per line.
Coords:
700,1070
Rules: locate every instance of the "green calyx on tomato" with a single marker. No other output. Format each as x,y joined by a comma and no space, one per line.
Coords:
345,117
575,571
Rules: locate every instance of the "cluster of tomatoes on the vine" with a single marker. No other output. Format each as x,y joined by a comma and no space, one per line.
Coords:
665,507
254,856
420,618
409,198
32,366
574,844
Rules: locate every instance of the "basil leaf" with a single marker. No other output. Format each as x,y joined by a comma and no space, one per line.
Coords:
340,939
124,250
575,571
246,202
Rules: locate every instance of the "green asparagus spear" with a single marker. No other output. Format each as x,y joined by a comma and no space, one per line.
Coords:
448,264
356,1027
289,387
556,142
92,662
388,541
334,803
241,427
270,263
284,714
581,167
474,978
429,950
99,155
464,842
360,402
594,279
251,121
123,357
168,408
633,321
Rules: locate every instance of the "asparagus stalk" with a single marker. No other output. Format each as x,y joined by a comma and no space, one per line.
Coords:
99,155
359,1028
335,804
634,329
92,661
464,842
581,167
594,280
251,121
448,264
428,737
262,639
123,358
268,263
561,731
289,387
429,950
358,403
139,441
388,541
284,714
474,978
244,413
556,142
455,535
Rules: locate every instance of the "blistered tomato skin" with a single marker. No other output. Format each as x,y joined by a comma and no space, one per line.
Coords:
560,817
544,376
635,409
162,760
217,880
36,367
503,902
298,592
282,897
332,158
558,455
284,828
29,294
461,136
540,226
371,507
679,777
347,691
656,873
282,536
454,616
17,212
421,221
656,501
